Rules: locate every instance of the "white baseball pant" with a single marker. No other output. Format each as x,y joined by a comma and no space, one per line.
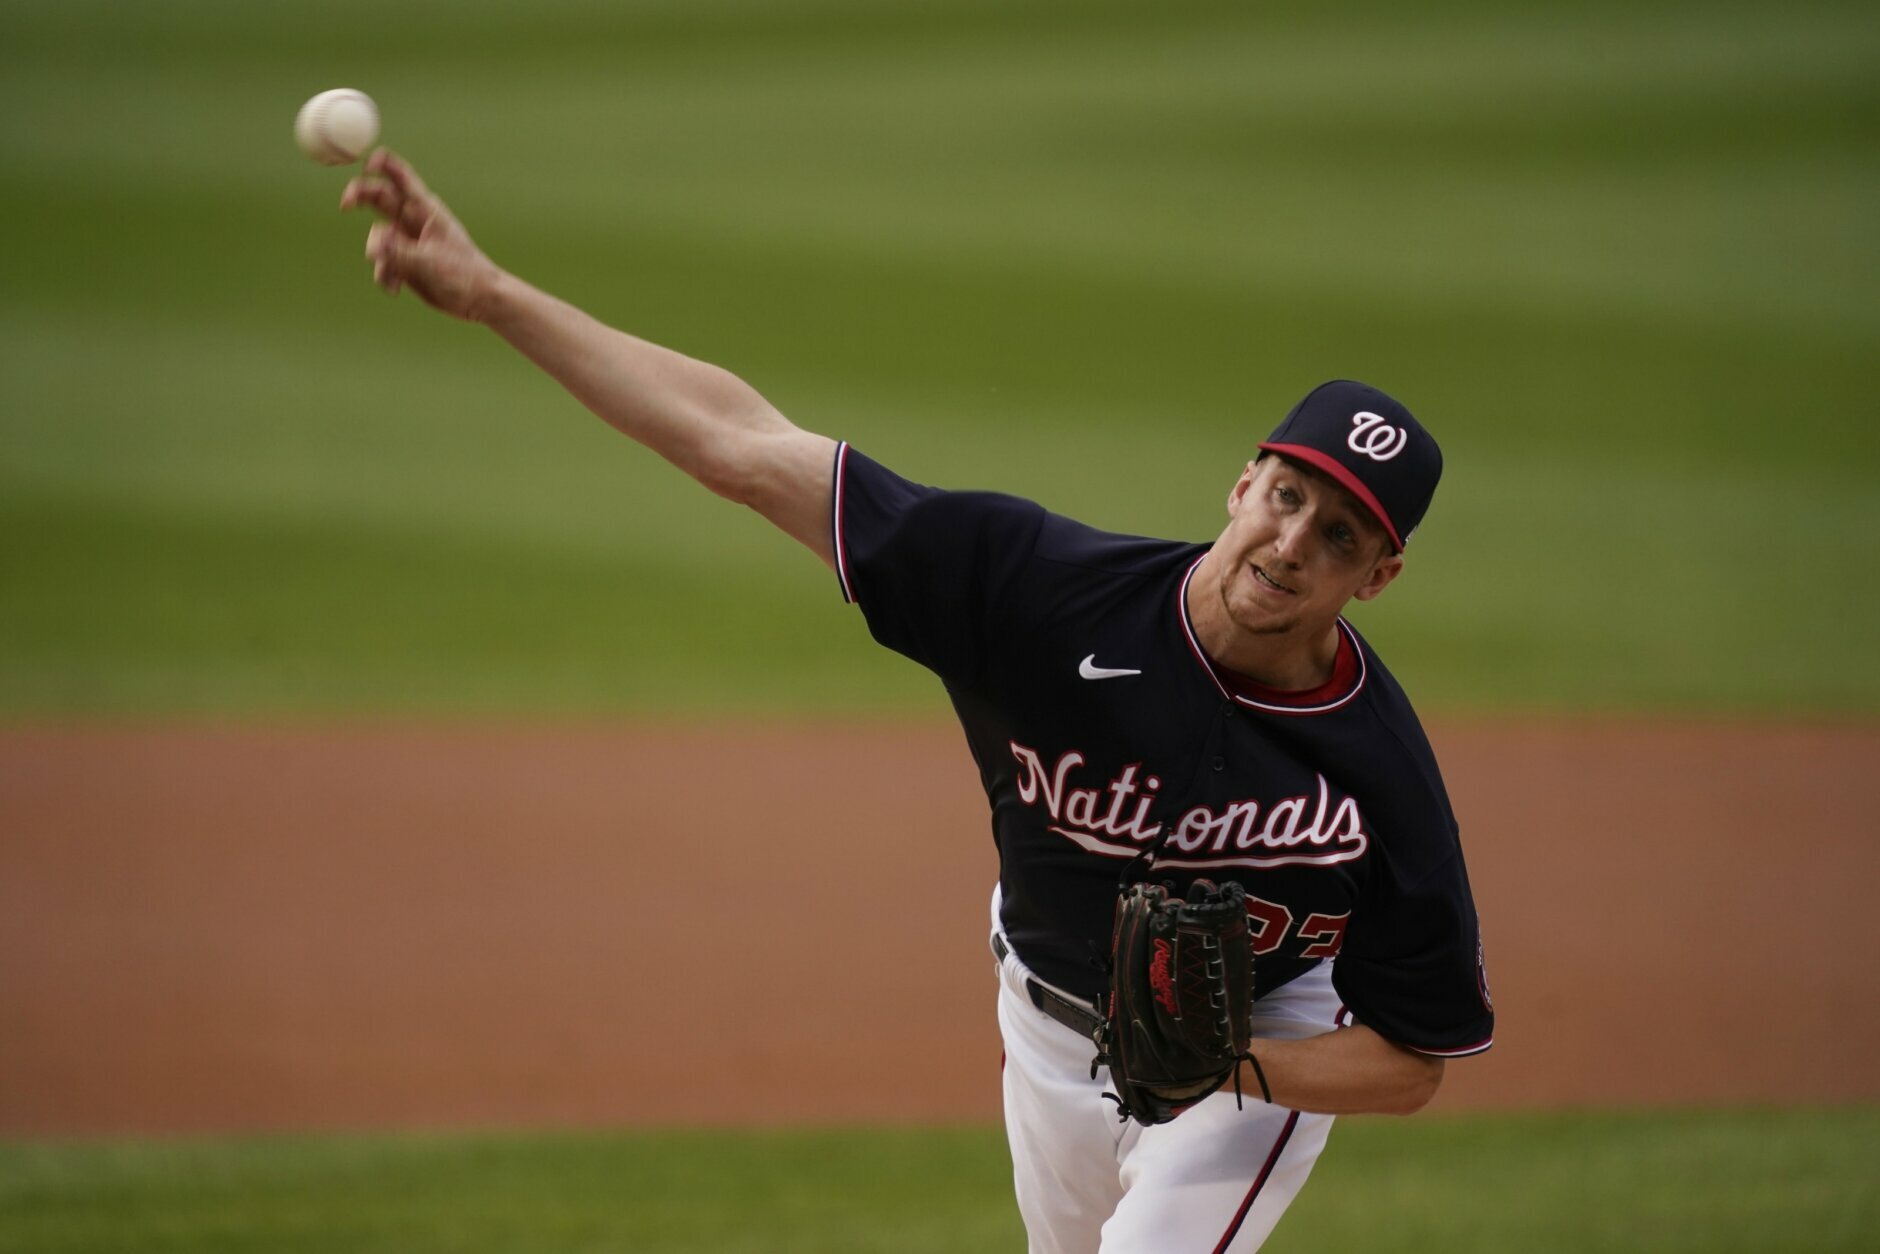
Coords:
1214,1181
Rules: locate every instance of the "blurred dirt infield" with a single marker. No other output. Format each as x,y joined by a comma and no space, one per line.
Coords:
210,930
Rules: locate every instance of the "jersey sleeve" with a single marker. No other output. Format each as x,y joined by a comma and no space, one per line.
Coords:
933,571
1412,964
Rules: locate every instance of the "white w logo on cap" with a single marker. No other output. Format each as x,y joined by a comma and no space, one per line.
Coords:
1375,438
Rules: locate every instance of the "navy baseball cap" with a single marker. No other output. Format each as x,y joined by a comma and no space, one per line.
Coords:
1371,445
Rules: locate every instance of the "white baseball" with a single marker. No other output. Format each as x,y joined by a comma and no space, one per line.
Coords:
338,126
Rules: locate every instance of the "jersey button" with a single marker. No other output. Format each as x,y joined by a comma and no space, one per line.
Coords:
1220,763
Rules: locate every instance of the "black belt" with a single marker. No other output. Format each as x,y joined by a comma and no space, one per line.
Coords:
1074,1015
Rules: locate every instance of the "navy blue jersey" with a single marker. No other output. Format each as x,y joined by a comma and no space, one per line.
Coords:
1109,746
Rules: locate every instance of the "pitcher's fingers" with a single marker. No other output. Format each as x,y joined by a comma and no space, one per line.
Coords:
383,252
398,170
382,198
376,194
381,249
420,206
393,255
389,203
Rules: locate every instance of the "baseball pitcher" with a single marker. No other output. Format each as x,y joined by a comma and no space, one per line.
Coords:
1231,903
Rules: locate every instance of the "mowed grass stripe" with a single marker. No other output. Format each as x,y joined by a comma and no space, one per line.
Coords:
1613,164
1727,1181
249,607
247,610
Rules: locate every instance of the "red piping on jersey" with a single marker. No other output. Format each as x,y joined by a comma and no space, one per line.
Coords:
1259,1182
842,561
1188,632
1344,671
1336,469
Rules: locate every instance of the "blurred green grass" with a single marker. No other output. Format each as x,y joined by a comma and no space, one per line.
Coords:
1720,1182
1622,258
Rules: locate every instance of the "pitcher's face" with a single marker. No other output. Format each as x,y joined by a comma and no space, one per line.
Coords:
1298,548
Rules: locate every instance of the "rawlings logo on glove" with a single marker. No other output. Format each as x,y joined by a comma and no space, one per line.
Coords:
1179,1014
1160,980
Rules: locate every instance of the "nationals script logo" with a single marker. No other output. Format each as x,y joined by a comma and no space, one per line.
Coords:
1312,829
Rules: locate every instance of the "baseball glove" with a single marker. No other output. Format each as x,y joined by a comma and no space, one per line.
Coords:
1179,1014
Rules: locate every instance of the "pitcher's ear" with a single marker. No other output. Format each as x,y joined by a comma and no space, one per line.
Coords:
1386,570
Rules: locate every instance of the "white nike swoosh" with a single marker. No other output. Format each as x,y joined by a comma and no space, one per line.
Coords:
1089,669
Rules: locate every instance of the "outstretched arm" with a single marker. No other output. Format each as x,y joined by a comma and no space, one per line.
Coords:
702,419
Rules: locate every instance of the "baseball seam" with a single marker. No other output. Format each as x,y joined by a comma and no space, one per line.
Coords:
336,154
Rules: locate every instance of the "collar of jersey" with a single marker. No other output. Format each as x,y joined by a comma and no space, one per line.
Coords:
1207,667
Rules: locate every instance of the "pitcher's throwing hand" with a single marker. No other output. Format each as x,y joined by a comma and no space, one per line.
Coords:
419,243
